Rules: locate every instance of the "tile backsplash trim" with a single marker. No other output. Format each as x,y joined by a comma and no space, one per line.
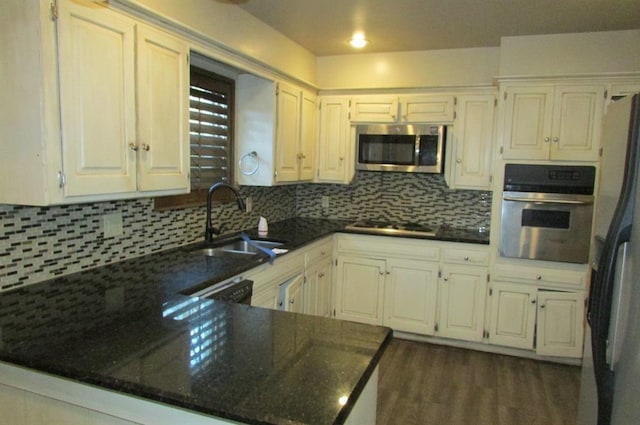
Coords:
39,243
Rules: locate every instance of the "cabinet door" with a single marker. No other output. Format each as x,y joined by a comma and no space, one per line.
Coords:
577,114
293,299
560,323
308,136
527,122
374,109
359,289
427,108
472,142
163,111
267,298
333,139
410,296
513,315
318,289
462,302
287,133
97,100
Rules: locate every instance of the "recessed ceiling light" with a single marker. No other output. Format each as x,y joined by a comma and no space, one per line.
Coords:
358,41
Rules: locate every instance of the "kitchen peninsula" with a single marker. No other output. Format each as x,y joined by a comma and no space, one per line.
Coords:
90,338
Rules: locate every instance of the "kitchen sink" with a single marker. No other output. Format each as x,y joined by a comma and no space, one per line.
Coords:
240,246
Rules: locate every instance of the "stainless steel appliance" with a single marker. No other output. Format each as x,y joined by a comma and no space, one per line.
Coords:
235,291
383,228
611,366
405,148
547,212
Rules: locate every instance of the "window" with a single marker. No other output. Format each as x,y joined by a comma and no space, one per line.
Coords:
211,137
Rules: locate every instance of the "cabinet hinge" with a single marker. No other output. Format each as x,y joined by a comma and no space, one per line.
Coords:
455,100
606,94
349,103
486,334
495,102
504,95
54,11
490,179
488,277
501,150
349,116
435,327
600,152
277,89
334,312
490,291
455,114
62,179
439,273
336,261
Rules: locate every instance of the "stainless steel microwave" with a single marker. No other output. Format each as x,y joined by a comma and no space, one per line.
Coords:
403,148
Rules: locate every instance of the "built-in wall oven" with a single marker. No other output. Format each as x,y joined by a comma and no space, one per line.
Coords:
547,212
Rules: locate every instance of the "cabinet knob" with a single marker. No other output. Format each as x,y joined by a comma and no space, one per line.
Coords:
388,273
446,279
556,139
321,275
280,303
466,258
146,147
547,139
381,273
341,158
541,305
533,301
133,147
538,277
458,161
291,301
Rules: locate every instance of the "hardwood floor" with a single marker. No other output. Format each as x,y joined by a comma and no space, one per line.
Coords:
426,384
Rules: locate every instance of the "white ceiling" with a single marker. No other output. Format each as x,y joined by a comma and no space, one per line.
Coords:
323,26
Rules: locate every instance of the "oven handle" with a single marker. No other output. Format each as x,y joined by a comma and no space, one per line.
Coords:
547,201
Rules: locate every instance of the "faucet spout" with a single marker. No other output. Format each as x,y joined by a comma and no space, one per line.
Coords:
209,229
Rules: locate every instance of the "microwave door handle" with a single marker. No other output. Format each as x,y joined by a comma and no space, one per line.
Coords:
546,201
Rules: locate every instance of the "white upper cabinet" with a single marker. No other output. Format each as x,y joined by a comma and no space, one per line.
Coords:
426,108
422,108
374,109
471,155
335,142
552,122
163,110
277,121
111,96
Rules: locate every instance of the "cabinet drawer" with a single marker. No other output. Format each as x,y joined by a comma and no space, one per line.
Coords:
388,247
319,251
540,276
466,256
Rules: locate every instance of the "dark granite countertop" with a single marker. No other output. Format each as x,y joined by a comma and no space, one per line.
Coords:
118,326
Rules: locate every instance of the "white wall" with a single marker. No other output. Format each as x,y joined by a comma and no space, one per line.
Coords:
238,30
432,68
570,54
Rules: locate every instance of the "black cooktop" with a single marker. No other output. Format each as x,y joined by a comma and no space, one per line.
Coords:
393,228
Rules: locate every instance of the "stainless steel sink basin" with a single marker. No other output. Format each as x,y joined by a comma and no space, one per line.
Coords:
240,246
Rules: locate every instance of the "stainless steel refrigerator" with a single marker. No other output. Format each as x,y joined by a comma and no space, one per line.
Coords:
610,387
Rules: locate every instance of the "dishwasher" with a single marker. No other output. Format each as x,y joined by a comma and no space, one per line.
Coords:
234,291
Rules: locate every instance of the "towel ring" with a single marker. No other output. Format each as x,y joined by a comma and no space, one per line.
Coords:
246,159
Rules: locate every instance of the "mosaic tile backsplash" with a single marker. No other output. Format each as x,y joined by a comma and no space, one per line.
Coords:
39,243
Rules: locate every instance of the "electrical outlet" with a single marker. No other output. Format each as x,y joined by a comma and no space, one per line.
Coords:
112,225
325,202
248,203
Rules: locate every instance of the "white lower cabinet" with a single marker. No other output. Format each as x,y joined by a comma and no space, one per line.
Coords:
524,316
513,315
299,282
410,295
416,286
318,289
560,323
462,300
359,289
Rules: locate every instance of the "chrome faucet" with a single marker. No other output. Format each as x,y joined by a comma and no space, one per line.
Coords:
209,229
